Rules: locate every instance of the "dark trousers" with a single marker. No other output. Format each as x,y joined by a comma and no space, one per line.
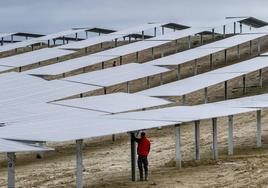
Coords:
143,164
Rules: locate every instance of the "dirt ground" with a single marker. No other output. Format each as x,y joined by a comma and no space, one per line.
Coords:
107,163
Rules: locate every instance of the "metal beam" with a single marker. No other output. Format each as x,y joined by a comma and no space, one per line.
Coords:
79,164
230,135
178,146
197,140
11,159
214,139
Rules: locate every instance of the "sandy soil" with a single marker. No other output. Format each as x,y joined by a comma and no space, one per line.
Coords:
107,163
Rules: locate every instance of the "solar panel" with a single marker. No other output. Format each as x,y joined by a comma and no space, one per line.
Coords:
195,83
59,34
114,103
205,50
28,112
36,90
183,113
117,75
34,57
108,37
66,66
37,40
7,146
74,129
2,35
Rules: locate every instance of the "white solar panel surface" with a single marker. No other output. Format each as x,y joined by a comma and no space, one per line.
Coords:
117,75
36,90
195,83
69,65
108,37
33,57
114,103
14,146
66,66
182,113
59,34
204,50
75,128
2,35
29,42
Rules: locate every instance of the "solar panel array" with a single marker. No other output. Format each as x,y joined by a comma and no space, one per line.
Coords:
31,110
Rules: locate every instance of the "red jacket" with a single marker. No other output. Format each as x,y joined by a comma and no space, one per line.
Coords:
143,146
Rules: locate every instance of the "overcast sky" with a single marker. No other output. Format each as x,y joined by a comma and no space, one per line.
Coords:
45,16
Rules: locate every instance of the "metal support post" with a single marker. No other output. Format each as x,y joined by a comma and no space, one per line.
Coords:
128,87
195,67
230,135
161,79
2,41
152,52
163,30
224,31
213,34
79,164
178,146
244,85
133,155
260,78
148,82
142,35
197,140
211,61
155,32
214,139
225,90
241,28
238,51
137,57
115,42
178,71
234,28
189,42
120,60
183,99
11,161
259,47
250,47
225,56
258,131
206,95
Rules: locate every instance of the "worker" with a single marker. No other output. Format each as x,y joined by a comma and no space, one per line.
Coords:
114,64
143,151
